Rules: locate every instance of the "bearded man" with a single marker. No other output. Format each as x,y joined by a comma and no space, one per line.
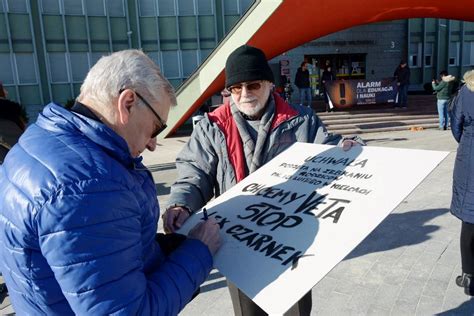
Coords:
239,137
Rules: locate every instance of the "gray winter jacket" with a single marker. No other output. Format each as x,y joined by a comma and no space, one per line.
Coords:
209,165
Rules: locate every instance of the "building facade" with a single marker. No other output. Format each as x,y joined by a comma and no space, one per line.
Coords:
373,51
47,46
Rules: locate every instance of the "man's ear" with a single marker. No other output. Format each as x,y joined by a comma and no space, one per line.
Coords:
124,104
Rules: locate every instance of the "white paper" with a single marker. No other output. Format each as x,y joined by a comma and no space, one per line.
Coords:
316,201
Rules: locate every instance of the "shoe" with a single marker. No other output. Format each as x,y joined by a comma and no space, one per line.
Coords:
466,281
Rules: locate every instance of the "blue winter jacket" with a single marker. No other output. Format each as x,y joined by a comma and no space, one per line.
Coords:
462,126
78,217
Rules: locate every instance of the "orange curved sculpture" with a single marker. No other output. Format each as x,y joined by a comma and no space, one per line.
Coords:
296,22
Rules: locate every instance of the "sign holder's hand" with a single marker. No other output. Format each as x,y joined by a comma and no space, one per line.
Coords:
174,218
348,144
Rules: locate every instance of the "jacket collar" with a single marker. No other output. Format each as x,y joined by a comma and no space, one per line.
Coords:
55,118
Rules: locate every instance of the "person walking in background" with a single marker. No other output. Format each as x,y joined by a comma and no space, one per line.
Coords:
402,75
325,77
462,204
302,82
444,90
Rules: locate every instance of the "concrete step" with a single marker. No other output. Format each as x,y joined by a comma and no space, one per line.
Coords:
376,119
398,126
421,113
337,115
385,123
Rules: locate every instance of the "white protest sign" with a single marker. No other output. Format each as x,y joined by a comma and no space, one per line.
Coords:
289,223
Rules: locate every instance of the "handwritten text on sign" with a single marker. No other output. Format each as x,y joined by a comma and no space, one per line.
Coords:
289,223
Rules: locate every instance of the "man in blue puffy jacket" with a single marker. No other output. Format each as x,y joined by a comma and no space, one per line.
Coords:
78,209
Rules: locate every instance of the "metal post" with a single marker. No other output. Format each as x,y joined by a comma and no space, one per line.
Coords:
16,80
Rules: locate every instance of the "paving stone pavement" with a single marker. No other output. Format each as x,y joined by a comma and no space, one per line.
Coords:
406,266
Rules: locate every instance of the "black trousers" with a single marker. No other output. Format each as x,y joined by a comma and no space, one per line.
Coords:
244,306
467,248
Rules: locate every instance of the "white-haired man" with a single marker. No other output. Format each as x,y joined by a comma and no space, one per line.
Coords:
237,139
79,212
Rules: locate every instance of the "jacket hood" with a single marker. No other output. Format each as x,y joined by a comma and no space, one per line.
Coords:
448,78
469,79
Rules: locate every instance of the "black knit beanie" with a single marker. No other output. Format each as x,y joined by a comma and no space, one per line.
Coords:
247,63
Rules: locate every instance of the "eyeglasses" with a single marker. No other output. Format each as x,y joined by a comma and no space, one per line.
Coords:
162,126
236,89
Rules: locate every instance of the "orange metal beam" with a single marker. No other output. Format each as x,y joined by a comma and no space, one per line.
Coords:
296,22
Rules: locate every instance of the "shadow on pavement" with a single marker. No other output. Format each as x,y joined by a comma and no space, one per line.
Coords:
386,139
398,230
219,279
466,308
162,189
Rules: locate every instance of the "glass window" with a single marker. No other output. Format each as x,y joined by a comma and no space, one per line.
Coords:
79,66
58,68
454,53
147,8
94,57
189,62
115,7
204,54
205,7
246,4
17,6
166,7
186,7
73,7
6,69
95,7
429,54
415,55
231,7
1,7
25,66
155,56
50,6
468,54
170,64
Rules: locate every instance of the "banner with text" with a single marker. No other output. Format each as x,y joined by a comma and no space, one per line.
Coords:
289,223
347,93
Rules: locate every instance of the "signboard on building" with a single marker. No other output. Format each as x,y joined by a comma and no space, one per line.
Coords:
288,224
347,93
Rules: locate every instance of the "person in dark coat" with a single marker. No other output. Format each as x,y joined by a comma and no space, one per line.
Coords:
462,204
402,74
327,75
302,82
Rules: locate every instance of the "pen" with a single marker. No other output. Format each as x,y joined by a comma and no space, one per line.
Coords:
204,211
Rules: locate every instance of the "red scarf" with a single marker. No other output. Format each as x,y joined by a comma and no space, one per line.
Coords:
224,120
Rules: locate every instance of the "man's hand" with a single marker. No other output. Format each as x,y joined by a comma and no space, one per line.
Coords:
173,218
348,144
208,233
